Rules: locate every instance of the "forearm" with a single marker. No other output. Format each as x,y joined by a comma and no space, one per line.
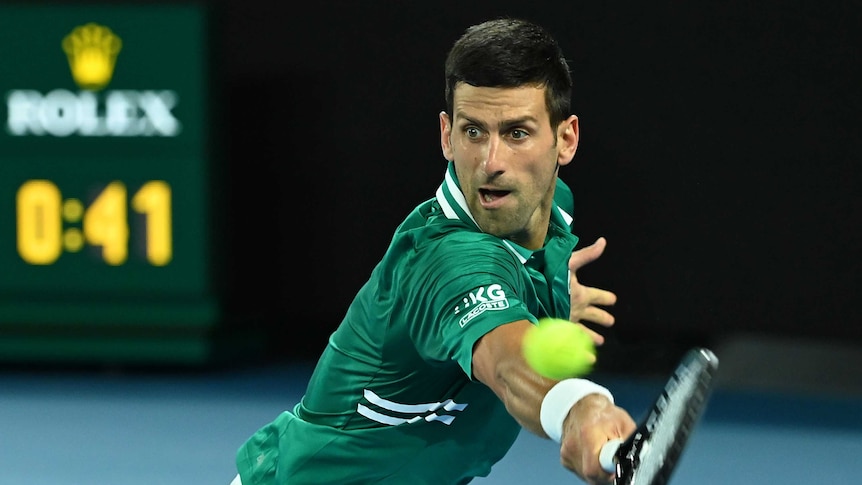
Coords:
522,391
499,364
577,413
539,404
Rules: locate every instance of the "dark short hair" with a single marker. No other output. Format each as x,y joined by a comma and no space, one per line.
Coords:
508,53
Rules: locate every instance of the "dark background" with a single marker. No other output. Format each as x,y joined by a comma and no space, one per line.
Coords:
718,156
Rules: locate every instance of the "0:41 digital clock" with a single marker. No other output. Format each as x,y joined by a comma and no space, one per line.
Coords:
41,211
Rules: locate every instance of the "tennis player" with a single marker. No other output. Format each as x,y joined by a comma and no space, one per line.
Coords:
423,382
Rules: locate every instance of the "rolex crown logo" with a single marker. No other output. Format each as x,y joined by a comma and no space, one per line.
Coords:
92,51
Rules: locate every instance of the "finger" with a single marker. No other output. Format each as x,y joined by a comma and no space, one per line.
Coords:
586,255
598,316
597,296
596,337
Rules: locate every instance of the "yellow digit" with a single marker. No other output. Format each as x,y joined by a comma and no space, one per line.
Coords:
154,201
105,223
39,224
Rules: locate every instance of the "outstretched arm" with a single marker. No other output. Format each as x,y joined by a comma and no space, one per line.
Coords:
589,423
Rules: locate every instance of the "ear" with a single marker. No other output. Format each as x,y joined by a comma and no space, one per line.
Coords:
446,136
568,134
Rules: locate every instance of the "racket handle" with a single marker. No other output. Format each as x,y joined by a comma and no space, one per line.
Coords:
606,456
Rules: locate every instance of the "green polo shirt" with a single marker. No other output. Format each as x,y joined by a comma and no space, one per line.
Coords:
392,399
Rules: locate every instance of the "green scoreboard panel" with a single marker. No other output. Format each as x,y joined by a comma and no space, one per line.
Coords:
106,183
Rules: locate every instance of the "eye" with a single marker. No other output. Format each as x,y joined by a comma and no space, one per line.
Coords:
472,132
519,134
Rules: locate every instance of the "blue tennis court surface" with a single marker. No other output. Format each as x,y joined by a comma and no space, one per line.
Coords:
182,428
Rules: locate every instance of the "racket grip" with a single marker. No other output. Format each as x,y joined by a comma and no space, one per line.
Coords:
606,456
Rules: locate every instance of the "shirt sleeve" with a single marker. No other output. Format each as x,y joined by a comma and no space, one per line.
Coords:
472,287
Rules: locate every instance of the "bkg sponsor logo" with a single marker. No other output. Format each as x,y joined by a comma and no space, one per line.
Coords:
478,302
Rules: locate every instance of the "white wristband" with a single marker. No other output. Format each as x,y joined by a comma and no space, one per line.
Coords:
560,399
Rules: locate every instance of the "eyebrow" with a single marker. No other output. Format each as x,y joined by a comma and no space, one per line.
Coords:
505,125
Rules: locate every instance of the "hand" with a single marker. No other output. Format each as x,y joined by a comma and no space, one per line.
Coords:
585,298
591,423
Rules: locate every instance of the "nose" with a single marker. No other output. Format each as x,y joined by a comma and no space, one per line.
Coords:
495,156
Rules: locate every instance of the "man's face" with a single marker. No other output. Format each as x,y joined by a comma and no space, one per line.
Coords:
506,157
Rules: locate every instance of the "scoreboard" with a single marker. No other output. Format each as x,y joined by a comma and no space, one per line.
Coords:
108,178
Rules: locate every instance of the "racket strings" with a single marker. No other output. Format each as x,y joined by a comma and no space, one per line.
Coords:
671,427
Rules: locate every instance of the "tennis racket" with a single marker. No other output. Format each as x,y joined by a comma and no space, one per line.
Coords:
650,454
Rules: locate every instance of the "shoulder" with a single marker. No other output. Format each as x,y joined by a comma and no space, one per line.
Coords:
446,256
467,251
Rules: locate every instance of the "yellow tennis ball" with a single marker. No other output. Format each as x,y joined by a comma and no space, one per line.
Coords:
559,349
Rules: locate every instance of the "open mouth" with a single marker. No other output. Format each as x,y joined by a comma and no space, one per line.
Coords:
492,195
